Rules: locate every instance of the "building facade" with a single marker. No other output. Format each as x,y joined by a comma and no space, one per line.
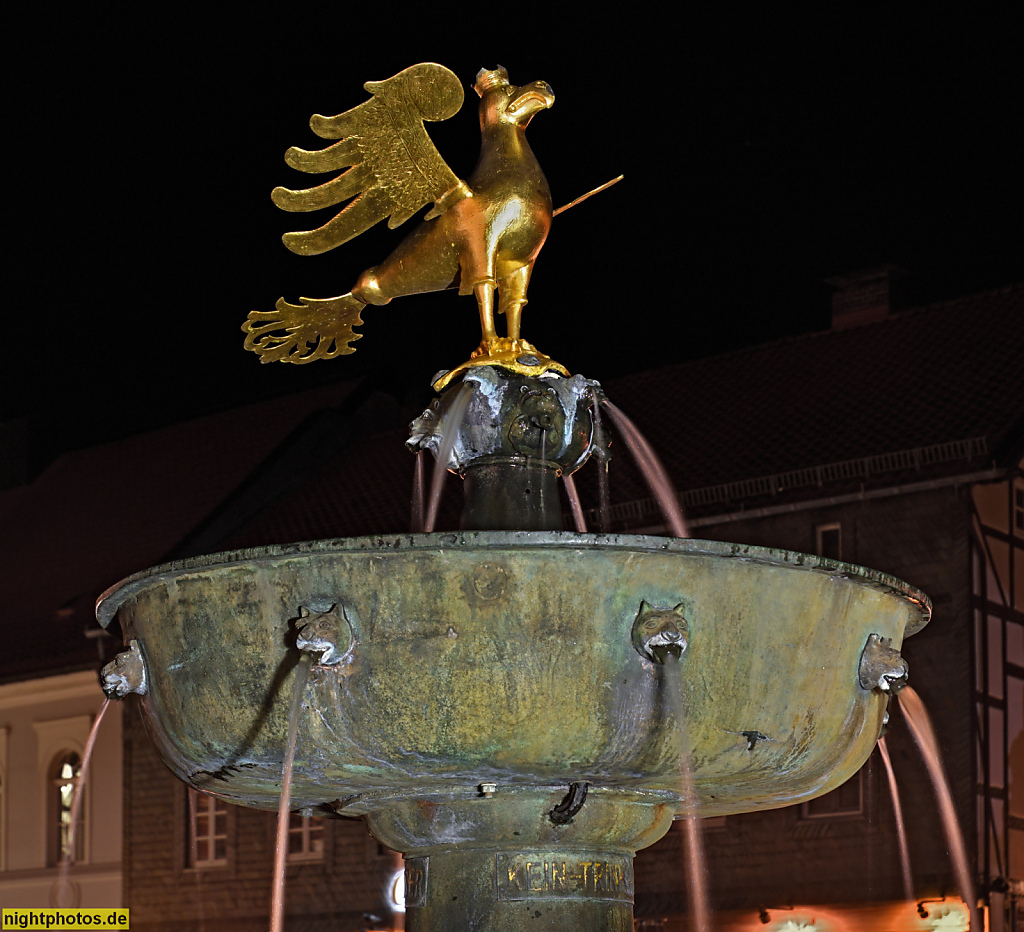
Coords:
44,728
893,440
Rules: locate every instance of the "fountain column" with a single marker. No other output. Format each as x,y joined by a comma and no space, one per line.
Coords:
514,858
511,443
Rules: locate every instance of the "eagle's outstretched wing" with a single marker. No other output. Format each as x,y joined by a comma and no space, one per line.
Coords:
393,168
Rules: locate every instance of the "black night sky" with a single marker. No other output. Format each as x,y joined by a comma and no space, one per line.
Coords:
761,154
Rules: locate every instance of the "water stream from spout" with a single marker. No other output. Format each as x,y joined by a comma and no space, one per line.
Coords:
603,495
693,859
64,894
573,495
542,467
283,810
901,830
418,486
653,472
921,728
452,425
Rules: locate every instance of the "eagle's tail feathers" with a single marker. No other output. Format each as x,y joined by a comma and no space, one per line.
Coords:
318,328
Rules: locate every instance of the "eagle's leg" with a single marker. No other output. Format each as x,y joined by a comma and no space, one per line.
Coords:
512,297
511,352
484,292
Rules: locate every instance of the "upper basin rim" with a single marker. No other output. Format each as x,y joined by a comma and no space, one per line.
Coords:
110,601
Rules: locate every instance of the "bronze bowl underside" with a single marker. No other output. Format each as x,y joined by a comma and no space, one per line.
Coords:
508,658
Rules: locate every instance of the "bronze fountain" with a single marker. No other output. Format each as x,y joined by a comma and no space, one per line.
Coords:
509,705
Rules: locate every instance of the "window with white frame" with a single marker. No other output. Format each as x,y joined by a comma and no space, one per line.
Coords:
59,747
206,843
828,540
305,838
846,800
65,777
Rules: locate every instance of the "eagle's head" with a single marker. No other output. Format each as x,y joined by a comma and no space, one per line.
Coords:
503,102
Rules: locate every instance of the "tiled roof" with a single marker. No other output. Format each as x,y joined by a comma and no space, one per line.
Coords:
366,489
101,513
929,377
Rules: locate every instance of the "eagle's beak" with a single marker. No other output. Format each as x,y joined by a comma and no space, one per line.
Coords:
529,100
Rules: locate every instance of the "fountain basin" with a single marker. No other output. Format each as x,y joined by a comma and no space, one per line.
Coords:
508,658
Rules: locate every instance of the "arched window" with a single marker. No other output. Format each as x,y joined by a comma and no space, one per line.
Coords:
65,775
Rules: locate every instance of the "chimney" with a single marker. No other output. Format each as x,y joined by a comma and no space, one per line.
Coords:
863,297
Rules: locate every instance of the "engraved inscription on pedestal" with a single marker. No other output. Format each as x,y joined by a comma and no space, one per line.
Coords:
416,881
540,874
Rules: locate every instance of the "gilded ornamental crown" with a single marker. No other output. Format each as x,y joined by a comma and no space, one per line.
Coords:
485,79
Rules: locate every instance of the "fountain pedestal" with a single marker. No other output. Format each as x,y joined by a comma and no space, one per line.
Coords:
510,437
498,863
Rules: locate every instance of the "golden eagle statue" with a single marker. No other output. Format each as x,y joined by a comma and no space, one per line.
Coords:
482,235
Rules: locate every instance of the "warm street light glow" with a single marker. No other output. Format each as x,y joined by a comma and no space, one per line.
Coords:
943,915
397,892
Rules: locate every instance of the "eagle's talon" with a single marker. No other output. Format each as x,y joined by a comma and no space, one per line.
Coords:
518,356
